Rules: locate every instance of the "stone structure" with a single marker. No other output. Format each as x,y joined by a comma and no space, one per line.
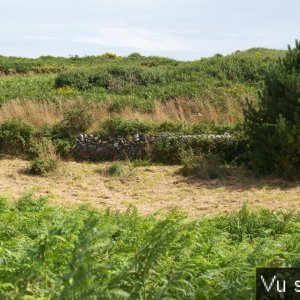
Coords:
89,147
93,148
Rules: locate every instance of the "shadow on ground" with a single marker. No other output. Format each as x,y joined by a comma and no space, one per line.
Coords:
238,179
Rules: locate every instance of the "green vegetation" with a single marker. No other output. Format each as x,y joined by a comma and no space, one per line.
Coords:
274,126
45,160
229,149
134,81
213,86
19,139
116,169
51,253
41,166
16,138
76,120
201,166
117,127
200,92
136,163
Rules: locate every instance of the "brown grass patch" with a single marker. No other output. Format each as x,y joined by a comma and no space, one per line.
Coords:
195,110
34,113
150,189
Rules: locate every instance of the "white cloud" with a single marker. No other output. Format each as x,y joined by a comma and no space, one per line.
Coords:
182,29
138,38
43,38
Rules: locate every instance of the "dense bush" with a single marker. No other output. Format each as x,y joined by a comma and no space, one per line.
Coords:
118,127
63,148
274,126
52,253
227,142
228,148
200,165
46,160
16,138
76,120
165,79
11,65
137,81
42,166
106,78
116,169
83,80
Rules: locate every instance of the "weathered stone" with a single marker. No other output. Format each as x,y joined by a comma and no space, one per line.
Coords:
136,146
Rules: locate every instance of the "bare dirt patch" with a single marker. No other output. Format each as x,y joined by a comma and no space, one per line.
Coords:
150,189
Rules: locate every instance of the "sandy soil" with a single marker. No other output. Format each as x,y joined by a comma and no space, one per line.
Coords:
150,189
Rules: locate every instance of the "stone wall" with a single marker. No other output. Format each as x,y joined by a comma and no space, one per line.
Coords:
90,147
93,148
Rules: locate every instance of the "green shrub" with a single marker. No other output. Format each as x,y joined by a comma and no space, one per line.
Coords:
200,165
274,126
42,166
76,120
167,150
28,204
134,56
16,138
78,80
4,205
46,160
171,126
117,127
141,163
43,147
237,129
48,252
247,224
108,77
63,148
229,148
189,160
12,65
116,169
109,55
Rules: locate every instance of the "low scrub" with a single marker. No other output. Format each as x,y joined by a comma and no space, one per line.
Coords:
16,138
42,166
136,163
76,120
46,160
121,127
53,253
200,165
228,148
108,78
116,169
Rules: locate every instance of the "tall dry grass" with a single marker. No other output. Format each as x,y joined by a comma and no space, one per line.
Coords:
31,112
195,110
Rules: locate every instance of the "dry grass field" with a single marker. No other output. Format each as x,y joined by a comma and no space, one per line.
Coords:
196,110
150,189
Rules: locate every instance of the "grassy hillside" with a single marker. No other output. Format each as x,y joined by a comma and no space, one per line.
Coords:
115,96
148,88
65,252
50,253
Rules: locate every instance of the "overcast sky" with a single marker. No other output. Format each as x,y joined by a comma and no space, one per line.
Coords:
182,29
